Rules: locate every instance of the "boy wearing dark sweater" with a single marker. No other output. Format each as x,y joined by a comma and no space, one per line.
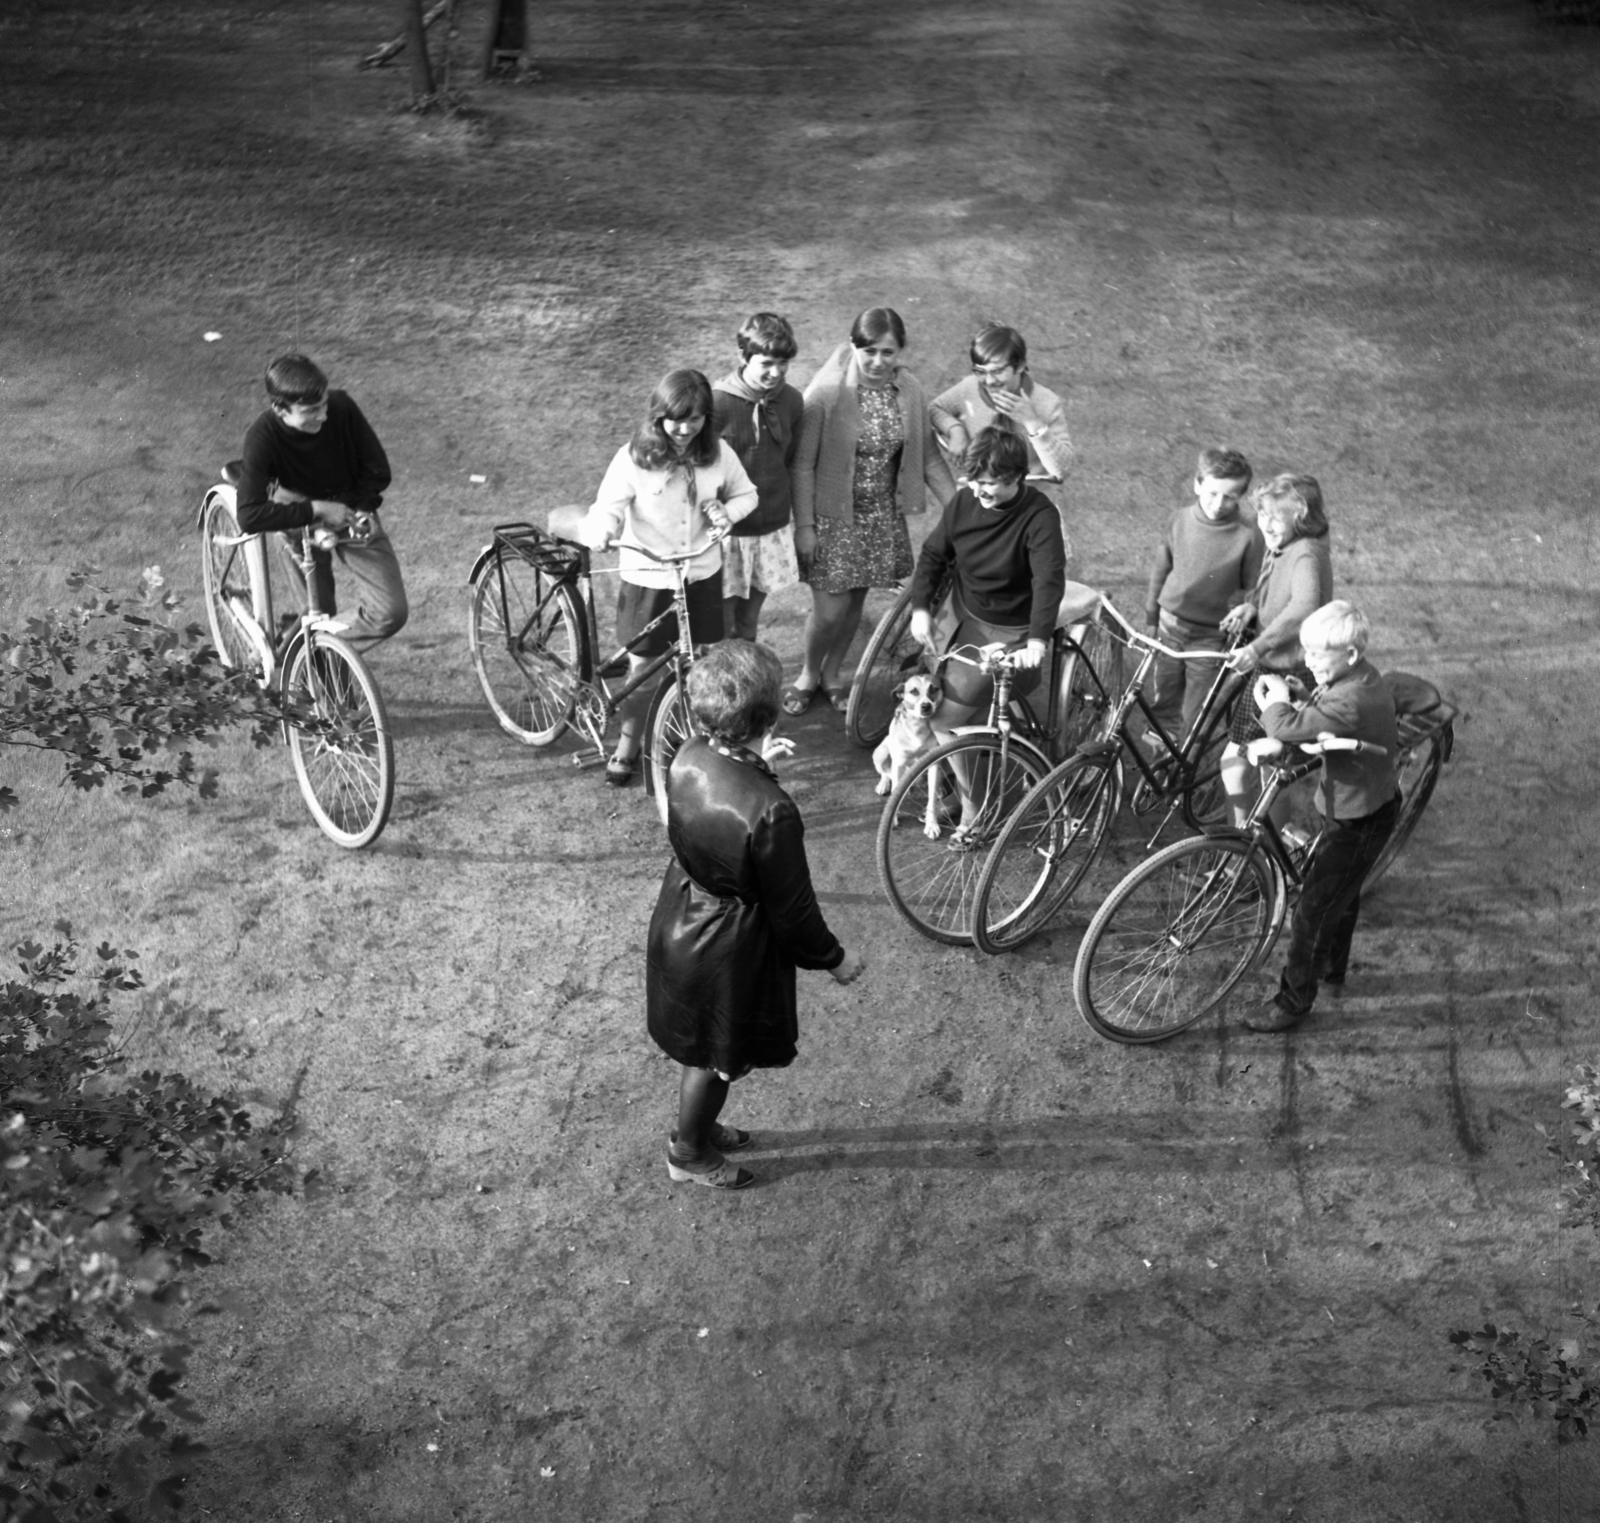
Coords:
1003,538
1358,797
312,459
1208,560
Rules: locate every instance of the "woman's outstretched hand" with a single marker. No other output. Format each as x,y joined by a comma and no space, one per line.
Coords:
850,969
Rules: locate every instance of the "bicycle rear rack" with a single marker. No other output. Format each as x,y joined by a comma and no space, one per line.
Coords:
557,558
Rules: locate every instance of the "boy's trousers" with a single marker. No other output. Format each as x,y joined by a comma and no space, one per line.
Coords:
1330,903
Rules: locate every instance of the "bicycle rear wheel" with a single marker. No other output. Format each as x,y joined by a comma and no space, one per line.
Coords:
928,860
225,573
528,649
1175,936
890,655
1087,681
339,738
1418,768
666,727
1053,837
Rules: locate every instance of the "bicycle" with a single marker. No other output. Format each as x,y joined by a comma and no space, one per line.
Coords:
1043,852
974,781
334,717
533,633
1179,932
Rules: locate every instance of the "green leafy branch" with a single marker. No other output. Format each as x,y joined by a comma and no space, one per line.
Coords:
123,691
112,1183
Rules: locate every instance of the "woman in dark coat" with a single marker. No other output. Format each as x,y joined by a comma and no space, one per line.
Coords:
737,913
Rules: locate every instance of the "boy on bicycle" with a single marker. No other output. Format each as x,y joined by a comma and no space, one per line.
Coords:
1358,795
312,459
1208,560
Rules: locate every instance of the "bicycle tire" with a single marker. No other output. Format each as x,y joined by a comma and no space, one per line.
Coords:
1043,851
1204,799
889,656
345,761
932,881
666,727
1418,768
225,574
1175,936
1082,693
531,654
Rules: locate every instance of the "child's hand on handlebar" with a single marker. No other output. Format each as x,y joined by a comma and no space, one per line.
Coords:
1237,617
1030,657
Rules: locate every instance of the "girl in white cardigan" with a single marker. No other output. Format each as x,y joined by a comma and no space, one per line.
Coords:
675,487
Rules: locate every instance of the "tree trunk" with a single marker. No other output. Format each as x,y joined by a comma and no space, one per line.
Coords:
417,47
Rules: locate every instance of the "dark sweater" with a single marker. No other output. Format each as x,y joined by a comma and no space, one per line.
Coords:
341,462
1360,704
1011,566
767,457
1204,567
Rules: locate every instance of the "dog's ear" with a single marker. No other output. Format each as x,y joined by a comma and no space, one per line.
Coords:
900,692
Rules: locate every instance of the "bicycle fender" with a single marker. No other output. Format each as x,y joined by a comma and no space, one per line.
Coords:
284,666
221,491
1101,751
485,555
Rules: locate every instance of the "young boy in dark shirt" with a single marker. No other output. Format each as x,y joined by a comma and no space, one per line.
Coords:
312,459
1003,538
1207,562
1359,797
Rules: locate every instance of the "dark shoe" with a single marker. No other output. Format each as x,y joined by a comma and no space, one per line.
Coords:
1273,1017
721,1176
725,1139
620,770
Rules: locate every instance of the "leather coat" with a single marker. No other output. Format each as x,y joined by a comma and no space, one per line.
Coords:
736,916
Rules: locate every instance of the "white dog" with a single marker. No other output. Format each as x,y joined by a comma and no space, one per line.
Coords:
910,733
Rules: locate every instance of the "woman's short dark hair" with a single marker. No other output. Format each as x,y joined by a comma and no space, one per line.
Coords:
293,379
767,333
734,691
996,452
679,394
999,345
874,323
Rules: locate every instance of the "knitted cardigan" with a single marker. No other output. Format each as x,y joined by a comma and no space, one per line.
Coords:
825,462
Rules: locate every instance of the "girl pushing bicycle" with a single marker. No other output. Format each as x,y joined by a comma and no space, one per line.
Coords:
674,487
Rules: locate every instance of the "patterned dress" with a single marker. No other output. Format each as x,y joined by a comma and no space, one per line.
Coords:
873,549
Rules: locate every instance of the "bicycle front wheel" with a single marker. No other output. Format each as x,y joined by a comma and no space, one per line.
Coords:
339,738
666,727
1418,769
891,654
1174,937
527,640
1050,841
225,574
938,825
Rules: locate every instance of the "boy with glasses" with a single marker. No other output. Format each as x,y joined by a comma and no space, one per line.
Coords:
1000,393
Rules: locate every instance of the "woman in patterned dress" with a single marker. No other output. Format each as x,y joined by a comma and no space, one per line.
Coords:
867,457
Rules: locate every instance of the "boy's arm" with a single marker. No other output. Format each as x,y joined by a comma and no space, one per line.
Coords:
1250,567
1052,443
1333,712
1047,558
945,416
254,508
372,466
1159,571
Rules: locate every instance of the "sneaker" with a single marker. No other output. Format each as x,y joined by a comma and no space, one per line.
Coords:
722,1176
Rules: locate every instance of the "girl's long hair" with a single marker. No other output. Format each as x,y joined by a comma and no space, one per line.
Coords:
681,394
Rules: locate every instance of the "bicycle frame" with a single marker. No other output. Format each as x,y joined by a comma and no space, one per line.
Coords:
564,562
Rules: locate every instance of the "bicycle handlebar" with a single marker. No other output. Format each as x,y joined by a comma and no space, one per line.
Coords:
990,657
1139,637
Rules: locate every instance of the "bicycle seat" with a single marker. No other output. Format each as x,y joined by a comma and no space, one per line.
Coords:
233,472
1080,602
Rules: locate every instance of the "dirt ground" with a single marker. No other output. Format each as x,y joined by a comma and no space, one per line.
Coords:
995,1268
